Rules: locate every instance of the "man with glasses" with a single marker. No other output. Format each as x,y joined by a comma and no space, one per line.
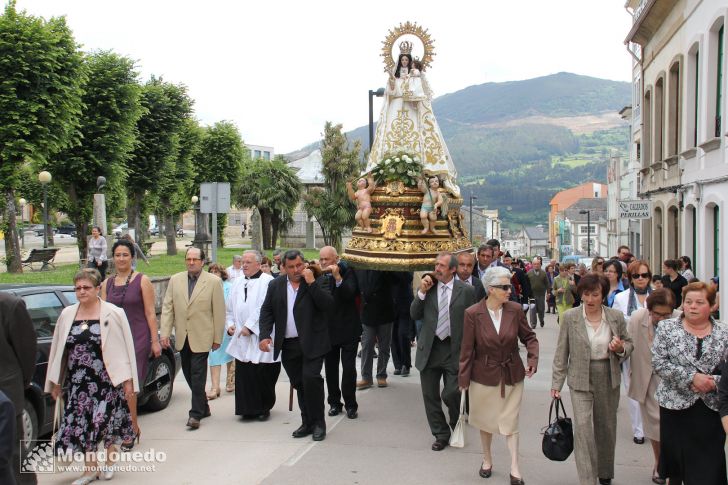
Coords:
194,306
441,306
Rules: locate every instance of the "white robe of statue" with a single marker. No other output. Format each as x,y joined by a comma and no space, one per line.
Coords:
407,124
242,312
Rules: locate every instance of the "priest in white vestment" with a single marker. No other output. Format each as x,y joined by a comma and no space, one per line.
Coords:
256,372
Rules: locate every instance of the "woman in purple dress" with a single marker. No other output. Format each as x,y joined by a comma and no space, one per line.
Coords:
134,293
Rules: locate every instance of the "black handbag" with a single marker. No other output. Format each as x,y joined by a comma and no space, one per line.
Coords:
558,436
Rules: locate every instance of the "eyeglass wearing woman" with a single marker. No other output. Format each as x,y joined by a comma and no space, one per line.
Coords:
492,369
593,341
597,266
687,352
134,293
644,380
96,385
628,301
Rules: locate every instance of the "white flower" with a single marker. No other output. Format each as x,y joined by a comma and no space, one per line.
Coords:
396,159
416,159
409,172
381,171
392,170
386,162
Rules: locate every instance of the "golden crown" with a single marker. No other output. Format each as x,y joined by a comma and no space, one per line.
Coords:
405,47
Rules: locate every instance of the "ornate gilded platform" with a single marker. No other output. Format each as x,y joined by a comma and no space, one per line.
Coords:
396,242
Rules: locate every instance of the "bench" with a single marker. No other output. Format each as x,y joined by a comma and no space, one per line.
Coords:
43,256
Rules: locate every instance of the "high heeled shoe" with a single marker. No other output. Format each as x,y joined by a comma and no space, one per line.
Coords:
109,471
213,394
129,445
85,479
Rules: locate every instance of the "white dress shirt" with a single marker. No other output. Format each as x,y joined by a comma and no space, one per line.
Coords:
291,330
234,273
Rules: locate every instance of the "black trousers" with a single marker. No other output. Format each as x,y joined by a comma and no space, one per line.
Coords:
346,354
305,376
540,308
194,368
401,338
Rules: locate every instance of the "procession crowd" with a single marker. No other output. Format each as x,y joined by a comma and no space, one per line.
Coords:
657,337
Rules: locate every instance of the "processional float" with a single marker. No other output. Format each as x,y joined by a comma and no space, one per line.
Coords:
408,200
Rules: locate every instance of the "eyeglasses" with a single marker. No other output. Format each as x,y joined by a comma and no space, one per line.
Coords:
502,287
641,275
661,316
600,263
83,288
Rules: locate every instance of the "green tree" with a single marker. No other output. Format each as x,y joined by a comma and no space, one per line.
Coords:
330,205
41,77
107,135
220,159
166,107
274,188
177,184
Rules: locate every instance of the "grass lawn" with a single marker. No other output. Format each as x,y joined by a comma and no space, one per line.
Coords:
159,265
573,162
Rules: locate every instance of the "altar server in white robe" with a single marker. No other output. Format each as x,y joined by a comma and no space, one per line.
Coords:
256,372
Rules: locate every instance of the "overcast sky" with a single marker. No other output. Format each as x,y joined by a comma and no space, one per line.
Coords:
280,69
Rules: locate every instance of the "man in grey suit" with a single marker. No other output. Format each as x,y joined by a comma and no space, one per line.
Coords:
441,306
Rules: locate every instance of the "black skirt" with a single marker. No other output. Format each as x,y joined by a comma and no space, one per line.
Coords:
692,444
255,387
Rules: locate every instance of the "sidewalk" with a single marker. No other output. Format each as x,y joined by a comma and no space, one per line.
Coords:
388,443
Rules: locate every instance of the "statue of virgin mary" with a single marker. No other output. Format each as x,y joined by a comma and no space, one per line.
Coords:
407,122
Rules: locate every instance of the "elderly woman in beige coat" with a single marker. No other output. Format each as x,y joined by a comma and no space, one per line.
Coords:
92,366
593,341
643,383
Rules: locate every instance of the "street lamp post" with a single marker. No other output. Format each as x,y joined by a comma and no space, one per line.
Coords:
588,230
45,178
22,203
194,200
472,197
378,93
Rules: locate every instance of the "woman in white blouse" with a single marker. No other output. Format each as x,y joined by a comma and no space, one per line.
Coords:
96,255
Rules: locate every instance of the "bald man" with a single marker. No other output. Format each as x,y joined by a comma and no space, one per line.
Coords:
344,332
540,285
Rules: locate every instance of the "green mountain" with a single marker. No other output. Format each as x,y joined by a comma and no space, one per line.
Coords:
515,144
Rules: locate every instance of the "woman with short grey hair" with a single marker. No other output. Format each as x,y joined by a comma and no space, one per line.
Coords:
493,276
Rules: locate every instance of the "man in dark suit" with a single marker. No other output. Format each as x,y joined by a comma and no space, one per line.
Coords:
441,306
297,307
377,317
18,344
344,332
486,256
466,262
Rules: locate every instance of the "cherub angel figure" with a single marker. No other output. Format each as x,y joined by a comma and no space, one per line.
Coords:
363,199
431,203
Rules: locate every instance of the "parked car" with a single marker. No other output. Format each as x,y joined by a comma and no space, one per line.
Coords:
154,231
39,229
118,230
45,303
69,229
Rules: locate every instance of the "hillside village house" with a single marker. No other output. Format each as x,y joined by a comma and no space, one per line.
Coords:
533,240
680,49
559,228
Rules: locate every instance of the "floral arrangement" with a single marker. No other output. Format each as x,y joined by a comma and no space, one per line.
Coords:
400,167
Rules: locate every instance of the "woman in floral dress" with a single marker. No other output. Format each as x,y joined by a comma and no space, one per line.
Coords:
92,367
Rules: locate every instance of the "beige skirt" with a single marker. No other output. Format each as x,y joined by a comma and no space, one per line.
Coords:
651,411
492,413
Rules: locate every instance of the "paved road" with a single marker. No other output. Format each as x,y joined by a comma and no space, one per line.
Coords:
389,443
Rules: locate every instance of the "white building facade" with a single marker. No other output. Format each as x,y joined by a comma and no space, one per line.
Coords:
684,164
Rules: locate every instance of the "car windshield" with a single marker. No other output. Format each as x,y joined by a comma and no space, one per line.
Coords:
44,309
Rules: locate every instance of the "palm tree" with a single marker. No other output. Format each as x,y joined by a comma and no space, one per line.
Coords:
275,189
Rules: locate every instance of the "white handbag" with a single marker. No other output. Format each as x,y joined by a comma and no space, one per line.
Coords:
457,438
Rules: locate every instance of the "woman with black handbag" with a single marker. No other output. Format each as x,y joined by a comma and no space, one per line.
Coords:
593,341
492,369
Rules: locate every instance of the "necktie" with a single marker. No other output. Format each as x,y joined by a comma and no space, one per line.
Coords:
443,318
245,288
